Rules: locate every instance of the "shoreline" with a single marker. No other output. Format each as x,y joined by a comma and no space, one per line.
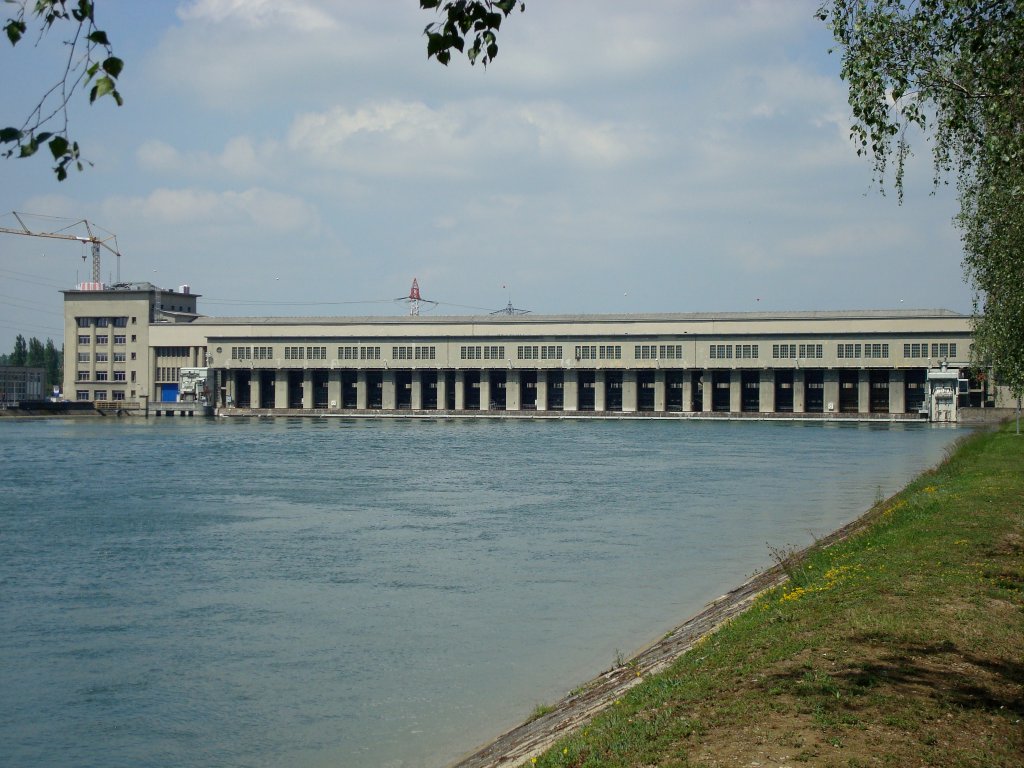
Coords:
575,709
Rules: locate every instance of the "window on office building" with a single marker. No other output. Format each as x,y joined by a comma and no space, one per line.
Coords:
101,375
119,339
120,322
671,351
720,351
83,339
426,353
118,375
645,352
102,322
81,394
784,351
102,338
117,395
84,357
747,351
810,351
848,351
101,357
369,353
316,353
84,322
585,352
551,352
470,353
83,375
294,353
877,351
101,394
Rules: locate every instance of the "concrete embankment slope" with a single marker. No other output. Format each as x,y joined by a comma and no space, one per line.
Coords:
897,640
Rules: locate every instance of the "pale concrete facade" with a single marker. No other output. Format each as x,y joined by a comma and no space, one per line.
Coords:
870,362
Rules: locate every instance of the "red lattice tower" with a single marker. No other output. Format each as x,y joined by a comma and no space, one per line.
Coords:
414,298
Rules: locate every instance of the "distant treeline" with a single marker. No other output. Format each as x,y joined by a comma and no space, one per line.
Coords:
37,354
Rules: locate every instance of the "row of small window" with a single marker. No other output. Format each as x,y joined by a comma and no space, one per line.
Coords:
482,353
540,352
103,322
656,351
167,374
172,351
599,352
102,376
252,353
103,357
305,353
99,394
921,350
852,351
794,351
413,353
102,338
725,351
359,353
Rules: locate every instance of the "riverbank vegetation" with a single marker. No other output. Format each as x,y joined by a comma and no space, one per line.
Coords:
902,645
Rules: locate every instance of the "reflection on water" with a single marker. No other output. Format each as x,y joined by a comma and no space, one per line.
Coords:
378,593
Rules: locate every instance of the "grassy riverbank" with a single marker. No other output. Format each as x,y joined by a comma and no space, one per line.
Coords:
903,645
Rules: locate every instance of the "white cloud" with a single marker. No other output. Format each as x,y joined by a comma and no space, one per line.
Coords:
240,158
255,209
399,138
300,15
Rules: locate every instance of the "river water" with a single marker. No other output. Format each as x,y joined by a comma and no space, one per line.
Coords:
334,592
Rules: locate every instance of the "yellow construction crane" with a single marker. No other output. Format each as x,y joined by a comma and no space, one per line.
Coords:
95,241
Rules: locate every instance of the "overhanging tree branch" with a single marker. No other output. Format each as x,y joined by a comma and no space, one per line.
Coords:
90,59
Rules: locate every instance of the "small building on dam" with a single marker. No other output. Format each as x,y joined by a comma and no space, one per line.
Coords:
127,345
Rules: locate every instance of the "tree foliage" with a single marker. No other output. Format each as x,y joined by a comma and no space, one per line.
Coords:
952,71
466,21
19,357
89,61
33,353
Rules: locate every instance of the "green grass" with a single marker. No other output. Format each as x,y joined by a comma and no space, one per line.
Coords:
901,645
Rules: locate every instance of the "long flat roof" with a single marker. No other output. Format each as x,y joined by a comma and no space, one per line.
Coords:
504,319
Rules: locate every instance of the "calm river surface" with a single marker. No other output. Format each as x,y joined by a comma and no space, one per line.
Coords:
382,592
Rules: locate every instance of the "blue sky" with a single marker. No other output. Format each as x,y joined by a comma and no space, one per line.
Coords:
304,157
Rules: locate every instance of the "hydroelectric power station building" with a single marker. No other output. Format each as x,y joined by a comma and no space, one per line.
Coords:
127,344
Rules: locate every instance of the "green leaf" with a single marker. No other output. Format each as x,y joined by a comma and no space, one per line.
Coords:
99,37
59,147
8,135
113,66
103,86
15,29
435,44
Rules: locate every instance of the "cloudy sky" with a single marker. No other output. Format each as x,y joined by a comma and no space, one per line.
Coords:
304,157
